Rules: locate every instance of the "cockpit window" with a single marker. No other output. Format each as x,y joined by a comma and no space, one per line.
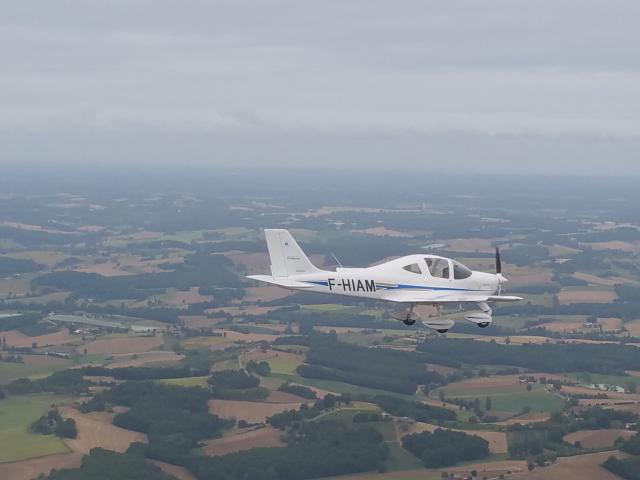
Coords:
413,268
460,271
439,267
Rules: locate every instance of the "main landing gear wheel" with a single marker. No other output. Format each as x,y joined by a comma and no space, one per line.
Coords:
483,324
408,317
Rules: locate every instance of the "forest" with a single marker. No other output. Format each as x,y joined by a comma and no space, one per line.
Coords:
197,270
107,465
442,448
304,457
549,357
383,369
174,418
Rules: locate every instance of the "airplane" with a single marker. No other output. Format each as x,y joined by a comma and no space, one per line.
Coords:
411,280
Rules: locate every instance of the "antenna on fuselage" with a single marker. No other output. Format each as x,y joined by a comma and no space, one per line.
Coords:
336,259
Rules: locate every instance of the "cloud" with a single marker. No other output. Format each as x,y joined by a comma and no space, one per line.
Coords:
284,72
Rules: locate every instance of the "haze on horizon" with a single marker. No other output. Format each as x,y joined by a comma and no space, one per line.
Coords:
507,86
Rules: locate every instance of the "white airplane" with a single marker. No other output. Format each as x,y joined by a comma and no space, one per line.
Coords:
411,280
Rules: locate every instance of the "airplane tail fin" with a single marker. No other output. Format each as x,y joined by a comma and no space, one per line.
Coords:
287,258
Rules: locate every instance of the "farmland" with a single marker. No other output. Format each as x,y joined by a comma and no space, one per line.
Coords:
16,415
156,302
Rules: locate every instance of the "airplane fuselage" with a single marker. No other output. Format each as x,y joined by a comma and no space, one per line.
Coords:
377,283
411,280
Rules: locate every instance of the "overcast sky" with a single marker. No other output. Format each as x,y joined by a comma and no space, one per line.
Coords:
505,85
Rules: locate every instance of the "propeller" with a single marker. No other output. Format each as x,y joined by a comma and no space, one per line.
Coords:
501,279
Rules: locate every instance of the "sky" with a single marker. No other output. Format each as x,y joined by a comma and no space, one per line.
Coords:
512,86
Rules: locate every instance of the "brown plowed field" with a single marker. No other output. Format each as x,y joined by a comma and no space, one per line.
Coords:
383,232
179,297
633,327
597,438
580,467
180,473
284,397
265,294
497,440
525,419
158,357
615,404
124,344
615,245
198,321
29,469
249,337
96,430
45,361
17,339
263,437
252,412
586,296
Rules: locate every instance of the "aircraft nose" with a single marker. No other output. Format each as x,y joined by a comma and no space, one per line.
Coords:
496,283
488,281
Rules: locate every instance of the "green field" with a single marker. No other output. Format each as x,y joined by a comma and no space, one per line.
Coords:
338,387
400,459
182,236
186,381
204,342
514,322
345,415
463,390
327,307
511,398
283,364
596,378
538,401
13,371
17,413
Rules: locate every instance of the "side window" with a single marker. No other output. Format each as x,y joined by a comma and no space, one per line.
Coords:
413,268
460,271
438,267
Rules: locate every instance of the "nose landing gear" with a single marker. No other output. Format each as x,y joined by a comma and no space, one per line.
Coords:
482,319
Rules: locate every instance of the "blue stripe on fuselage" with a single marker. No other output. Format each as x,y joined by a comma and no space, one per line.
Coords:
426,287
387,286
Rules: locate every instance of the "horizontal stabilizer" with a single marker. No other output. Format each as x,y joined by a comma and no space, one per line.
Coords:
281,282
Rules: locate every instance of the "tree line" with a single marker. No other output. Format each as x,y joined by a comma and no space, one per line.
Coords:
197,270
442,448
384,369
550,357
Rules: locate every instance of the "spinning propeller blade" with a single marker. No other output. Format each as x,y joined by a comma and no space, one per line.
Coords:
501,278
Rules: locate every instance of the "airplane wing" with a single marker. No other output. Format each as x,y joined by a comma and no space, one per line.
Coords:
439,297
281,282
